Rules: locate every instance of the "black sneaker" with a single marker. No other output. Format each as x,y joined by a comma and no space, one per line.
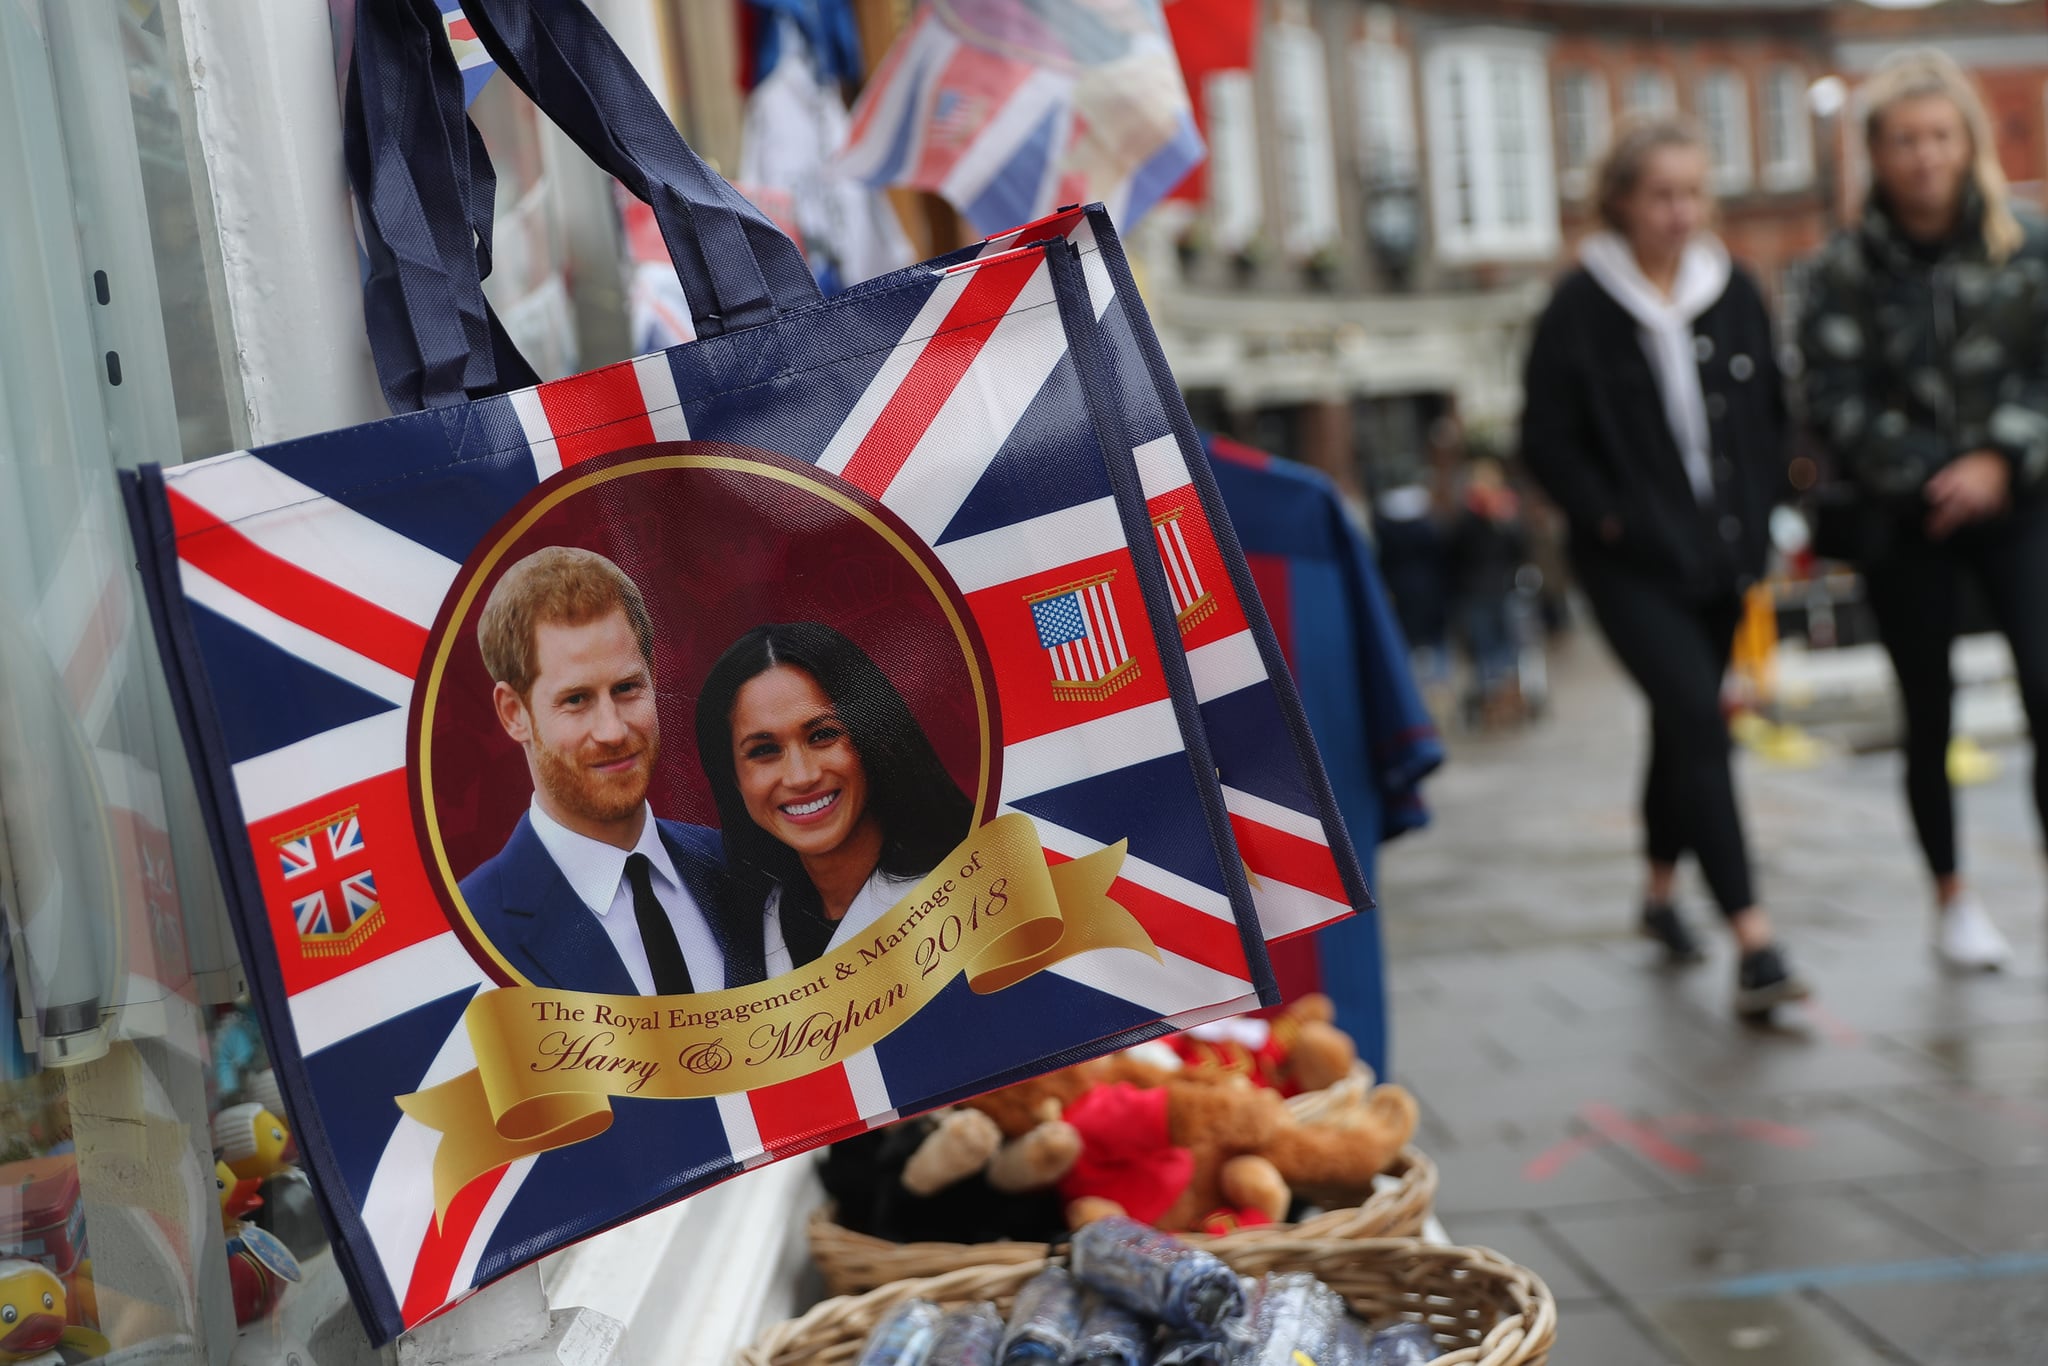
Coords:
1763,980
1663,924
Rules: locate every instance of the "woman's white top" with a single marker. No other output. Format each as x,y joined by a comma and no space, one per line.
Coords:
870,904
1666,326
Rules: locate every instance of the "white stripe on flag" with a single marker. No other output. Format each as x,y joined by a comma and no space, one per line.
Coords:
364,997
1259,811
742,1135
1187,561
905,99
894,370
981,412
1096,641
533,420
1225,666
1160,467
1091,747
1033,546
1101,289
987,158
1168,987
487,1223
1105,606
294,639
1116,625
658,393
327,539
1074,844
320,764
398,1208
871,1096
1175,577
1285,909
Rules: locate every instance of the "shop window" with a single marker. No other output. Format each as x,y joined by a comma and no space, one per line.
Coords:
1490,162
1788,132
1582,130
1723,104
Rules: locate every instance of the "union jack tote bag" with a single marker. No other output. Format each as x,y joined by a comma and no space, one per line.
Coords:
626,781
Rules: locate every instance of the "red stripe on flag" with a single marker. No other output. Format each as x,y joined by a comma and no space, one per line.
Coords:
980,83
1274,853
1176,927
1059,223
1271,574
209,544
434,1268
937,372
597,413
793,1115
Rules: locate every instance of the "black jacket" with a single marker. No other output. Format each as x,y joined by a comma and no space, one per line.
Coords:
1916,357
1595,436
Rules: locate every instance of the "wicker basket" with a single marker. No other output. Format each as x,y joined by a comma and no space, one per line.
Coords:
1485,1310
1398,1208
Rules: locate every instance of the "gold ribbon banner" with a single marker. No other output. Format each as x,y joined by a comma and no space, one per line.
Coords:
548,1062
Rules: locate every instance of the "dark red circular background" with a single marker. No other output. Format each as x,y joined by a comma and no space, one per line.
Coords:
715,553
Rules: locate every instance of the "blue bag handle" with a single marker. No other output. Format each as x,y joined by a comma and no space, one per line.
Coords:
738,269
426,192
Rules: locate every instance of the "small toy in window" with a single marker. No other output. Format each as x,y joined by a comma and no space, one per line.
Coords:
259,1266
254,1143
35,1317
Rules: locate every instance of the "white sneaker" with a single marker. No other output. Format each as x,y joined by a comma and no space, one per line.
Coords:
1967,940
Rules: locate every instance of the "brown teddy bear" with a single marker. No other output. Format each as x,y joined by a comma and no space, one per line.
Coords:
1298,1050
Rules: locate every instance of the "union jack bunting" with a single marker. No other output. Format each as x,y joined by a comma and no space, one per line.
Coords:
326,872
295,587
1078,626
1304,871
1008,107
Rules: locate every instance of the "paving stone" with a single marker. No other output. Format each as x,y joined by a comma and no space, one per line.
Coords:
1695,1244
1988,1053
1761,1332
1998,1125
1802,1057
1600,1335
1983,1323
1496,1177
1786,1143
1520,1238
1544,1102
1986,1213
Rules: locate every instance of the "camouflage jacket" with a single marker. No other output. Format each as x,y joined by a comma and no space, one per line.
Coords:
1913,358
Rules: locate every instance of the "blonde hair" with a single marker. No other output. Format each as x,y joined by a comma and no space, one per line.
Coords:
561,585
1638,139
1919,73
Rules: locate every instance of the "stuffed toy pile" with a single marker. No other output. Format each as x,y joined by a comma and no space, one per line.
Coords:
1192,1135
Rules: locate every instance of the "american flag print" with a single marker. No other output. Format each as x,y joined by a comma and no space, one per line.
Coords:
298,585
333,891
1078,626
1192,603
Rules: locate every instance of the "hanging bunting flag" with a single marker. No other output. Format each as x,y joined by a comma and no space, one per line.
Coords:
1010,107
1213,41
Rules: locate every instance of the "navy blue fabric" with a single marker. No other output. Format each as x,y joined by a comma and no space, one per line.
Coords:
356,1079
1015,485
1100,808
1057,1012
251,721
1257,711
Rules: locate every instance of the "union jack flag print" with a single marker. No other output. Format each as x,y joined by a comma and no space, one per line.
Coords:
297,585
333,891
1079,629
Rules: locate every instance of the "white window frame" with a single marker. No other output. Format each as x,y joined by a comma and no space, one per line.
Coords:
1650,78
1732,160
1787,122
1461,98
1575,164
1303,137
1383,104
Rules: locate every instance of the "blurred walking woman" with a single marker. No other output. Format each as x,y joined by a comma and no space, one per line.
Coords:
1925,341
1655,420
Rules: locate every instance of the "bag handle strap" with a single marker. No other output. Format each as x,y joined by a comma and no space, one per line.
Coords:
738,269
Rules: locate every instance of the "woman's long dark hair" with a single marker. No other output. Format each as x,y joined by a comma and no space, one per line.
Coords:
922,811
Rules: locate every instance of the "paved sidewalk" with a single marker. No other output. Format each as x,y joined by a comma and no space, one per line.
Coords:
1867,1183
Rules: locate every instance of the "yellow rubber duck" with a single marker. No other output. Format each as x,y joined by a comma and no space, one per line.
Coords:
254,1143
35,1316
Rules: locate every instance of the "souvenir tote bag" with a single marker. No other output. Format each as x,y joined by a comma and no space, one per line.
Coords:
629,780
1304,871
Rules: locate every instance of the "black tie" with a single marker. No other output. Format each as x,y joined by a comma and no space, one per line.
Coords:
657,935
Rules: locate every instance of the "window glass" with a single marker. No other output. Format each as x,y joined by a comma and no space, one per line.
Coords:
1723,108
1650,93
1582,128
1787,135
1385,101
1490,151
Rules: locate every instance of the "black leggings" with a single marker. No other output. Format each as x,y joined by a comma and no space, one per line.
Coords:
1677,651
1916,593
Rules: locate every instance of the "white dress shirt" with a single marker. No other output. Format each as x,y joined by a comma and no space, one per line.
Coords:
596,872
870,904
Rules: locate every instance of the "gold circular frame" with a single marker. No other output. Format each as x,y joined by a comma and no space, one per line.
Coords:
763,465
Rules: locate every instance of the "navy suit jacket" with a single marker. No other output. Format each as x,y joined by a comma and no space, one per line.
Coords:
530,914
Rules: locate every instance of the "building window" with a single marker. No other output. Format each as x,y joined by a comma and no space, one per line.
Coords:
1650,94
1581,128
1384,102
1723,106
1788,133
1490,150
1307,143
